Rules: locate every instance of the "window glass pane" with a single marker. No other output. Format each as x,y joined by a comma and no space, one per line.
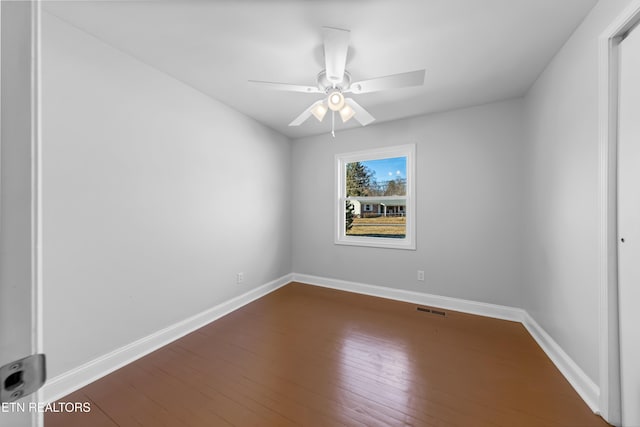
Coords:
381,177
377,192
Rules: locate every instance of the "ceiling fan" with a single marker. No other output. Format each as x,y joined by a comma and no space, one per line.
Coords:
335,81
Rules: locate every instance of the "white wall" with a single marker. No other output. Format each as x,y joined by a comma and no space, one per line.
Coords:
561,110
469,189
154,197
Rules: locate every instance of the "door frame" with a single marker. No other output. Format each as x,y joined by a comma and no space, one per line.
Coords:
608,334
36,208
35,164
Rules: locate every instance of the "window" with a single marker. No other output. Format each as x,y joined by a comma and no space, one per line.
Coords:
375,198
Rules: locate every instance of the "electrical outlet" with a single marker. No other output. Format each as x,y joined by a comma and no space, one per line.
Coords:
421,275
240,278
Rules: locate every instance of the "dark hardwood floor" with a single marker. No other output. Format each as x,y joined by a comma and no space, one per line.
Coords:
305,355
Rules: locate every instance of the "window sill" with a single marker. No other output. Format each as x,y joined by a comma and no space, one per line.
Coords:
374,242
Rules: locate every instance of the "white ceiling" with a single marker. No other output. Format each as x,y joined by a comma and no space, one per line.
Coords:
474,51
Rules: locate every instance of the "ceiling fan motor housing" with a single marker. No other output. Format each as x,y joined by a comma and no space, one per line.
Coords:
326,85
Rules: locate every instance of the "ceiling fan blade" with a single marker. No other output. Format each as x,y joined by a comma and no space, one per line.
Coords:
336,45
361,115
305,115
394,81
285,87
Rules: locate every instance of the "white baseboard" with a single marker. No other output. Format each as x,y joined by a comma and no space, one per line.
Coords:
588,390
74,379
456,304
582,384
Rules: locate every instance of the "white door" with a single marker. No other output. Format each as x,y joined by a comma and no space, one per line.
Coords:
17,272
629,227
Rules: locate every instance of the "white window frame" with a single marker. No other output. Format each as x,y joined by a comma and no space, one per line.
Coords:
341,161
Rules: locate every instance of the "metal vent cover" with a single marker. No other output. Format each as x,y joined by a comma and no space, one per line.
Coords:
432,311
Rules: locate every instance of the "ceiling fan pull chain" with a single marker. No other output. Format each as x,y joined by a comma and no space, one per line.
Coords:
333,123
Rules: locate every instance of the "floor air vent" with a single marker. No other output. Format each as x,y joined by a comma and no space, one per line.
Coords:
432,311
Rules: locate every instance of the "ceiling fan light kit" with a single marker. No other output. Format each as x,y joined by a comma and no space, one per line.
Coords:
319,111
335,100
335,81
346,113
